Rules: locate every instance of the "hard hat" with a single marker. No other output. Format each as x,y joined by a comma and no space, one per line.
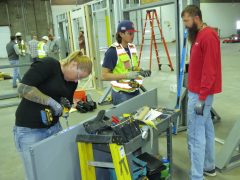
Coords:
18,34
45,38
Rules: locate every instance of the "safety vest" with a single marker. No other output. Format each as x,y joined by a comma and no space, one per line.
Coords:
22,47
125,64
41,52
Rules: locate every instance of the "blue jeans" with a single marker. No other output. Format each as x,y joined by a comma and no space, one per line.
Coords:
16,72
26,137
201,144
119,97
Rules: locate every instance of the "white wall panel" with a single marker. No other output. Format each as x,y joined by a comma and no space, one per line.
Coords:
221,15
102,31
59,9
168,22
5,38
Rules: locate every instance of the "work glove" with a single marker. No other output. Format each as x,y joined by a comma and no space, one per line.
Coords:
145,73
132,75
55,106
65,103
199,107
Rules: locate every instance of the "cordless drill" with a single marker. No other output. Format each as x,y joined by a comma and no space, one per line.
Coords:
47,114
66,108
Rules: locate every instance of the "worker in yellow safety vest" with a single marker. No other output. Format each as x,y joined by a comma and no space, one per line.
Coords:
42,47
120,65
20,46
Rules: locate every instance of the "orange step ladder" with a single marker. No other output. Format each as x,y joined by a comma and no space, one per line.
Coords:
151,15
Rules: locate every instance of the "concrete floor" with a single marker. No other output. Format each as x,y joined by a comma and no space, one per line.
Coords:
226,104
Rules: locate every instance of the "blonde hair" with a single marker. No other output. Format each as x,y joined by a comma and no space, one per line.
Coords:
83,61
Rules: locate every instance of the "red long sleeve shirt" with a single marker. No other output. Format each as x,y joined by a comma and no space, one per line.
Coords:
205,74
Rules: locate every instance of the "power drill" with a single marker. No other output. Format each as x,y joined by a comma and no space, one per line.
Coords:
47,117
66,108
47,114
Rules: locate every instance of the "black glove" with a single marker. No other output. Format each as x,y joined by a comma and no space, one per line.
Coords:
199,107
145,73
55,106
65,103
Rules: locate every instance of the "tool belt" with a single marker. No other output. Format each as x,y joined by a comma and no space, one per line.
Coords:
98,125
126,129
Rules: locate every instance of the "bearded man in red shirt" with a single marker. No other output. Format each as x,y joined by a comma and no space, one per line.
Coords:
204,80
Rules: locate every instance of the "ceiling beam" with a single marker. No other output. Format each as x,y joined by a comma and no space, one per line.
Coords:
69,2
219,1
79,2
63,2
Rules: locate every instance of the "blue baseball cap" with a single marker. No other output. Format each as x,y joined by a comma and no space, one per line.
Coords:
126,25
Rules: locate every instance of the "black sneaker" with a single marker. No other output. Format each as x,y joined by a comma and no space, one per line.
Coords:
211,173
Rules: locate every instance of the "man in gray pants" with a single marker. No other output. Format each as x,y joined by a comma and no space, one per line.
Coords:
14,60
52,48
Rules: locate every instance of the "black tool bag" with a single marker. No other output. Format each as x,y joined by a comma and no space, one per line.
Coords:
87,106
127,129
99,124
154,166
91,103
